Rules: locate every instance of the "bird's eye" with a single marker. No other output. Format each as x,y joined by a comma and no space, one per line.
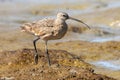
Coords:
64,15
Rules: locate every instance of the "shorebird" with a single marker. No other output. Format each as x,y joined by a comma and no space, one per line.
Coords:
48,29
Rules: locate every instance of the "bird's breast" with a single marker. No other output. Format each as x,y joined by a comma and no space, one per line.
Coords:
60,30
56,32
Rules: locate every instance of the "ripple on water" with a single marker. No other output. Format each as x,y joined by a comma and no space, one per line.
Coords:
17,15
112,64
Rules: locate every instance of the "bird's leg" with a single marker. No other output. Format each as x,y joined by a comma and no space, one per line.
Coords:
47,54
36,53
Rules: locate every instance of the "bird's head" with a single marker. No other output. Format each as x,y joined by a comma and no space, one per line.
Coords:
64,16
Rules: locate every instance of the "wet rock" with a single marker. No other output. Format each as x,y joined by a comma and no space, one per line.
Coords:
63,66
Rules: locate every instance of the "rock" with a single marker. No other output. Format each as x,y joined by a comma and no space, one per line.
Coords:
63,66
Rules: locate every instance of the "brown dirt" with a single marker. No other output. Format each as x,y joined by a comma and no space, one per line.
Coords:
19,65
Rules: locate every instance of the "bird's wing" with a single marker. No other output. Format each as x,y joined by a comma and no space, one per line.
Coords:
47,22
40,27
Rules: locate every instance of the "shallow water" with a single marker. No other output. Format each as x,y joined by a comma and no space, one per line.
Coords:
111,64
15,12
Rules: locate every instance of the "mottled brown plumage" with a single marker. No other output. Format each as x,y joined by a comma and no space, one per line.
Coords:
48,29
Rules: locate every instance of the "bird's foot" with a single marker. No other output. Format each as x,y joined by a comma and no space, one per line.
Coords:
36,58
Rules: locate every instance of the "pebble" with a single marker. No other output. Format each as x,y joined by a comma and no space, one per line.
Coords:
33,74
10,63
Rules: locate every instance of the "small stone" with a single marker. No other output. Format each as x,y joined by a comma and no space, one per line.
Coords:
55,65
10,63
33,70
73,71
33,74
41,71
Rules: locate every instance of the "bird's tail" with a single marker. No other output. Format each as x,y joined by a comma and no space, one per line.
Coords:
26,27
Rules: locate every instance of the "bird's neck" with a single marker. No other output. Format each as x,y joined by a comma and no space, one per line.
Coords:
59,21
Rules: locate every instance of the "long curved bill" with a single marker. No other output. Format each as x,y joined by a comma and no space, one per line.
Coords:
79,21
